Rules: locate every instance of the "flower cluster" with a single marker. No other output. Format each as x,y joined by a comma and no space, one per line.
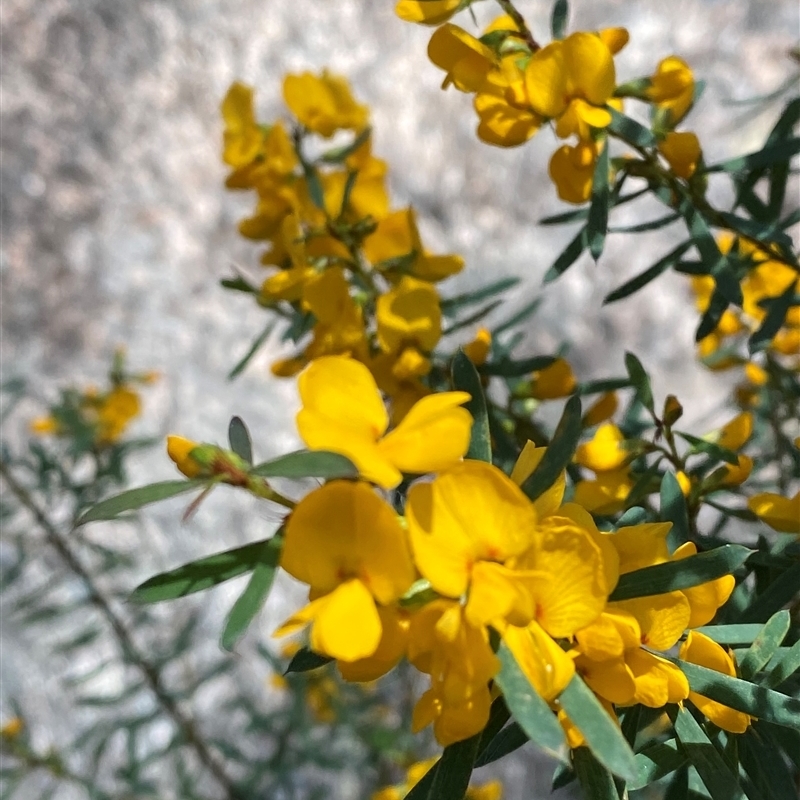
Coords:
493,790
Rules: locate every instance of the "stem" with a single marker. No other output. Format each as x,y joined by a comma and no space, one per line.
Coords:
130,651
519,21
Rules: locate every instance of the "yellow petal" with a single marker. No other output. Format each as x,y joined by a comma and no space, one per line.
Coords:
465,59
392,646
614,38
497,593
548,502
641,545
734,435
662,617
609,636
705,599
430,12
780,513
556,380
601,410
590,66
604,451
409,314
546,80
658,681
611,679
682,151
178,449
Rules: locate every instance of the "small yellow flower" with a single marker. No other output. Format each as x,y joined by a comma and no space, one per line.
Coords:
682,151
465,59
242,137
554,381
780,513
572,169
430,12
409,314
735,434
478,349
323,104
12,728
672,88
602,409
179,449
605,451
42,426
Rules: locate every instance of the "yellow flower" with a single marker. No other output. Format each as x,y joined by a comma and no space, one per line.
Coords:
602,409
323,104
409,314
348,545
554,381
430,12
288,284
242,137
706,598
478,349
465,59
605,451
572,169
343,412
682,151
42,426
672,88
12,728
115,411
699,649
780,513
735,434
607,493
736,475
179,449
391,648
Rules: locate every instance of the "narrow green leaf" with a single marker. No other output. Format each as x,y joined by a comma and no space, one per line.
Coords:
559,452
761,232
422,789
508,368
511,738
673,509
765,645
596,781
731,634
772,154
631,131
681,574
568,257
765,766
499,715
521,316
640,382
651,273
709,448
603,736
239,439
254,595
307,464
304,660
780,592
197,576
712,315
773,321
314,185
239,284
254,348
338,155
137,498
472,318
785,668
652,225
635,515
451,304
714,771
466,379
528,708
558,19
454,769
656,761
764,704
597,224
602,385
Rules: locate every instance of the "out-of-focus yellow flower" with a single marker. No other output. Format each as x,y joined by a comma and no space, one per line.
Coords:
685,482
602,409
409,315
478,349
430,12
572,169
115,411
605,451
12,729
343,412
242,138
682,151
554,381
734,434
780,513
179,449
607,493
323,104
699,649
42,426
672,88
736,475
465,59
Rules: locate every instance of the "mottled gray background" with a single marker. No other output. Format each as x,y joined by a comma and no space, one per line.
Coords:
116,227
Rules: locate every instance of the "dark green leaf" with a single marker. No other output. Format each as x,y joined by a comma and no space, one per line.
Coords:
709,448
635,515
642,227
711,316
254,595
773,321
422,789
681,574
239,439
507,368
559,452
766,767
304,660
558,19
731,634
656,761
528,708
466,379
472,318
640,382
339,154
314,185
772,154
239,284
202,574
630,131
137,498
254,348
764,704
511,738
780,592
643,278
602,385
673,509
449,305
714,771
454,769
760,232
765,644
568,257
603,736
521,316
785,668
307,464
596,781
597,224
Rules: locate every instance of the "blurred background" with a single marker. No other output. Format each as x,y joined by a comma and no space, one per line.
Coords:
116,230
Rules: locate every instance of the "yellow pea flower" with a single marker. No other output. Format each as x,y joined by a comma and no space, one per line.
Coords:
12,728
605,451
672,88
602,409
409,314
780,513
657,680
348,545
343,412
705,599
465,59
242,137
682,151
571,169
607,493
323,104
42,426
642,545
432,12
179,449
699,649
662,618
391,648
611,678
734,435
554,381
478,349
288,284
736,475
609,636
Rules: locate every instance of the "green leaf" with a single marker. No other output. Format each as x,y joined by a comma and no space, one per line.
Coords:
764,704
338,155
137,498
511,738
239,284
602,385
197,576
780,592
521,316
772,154
656,761
630,131
709,448
597,224
761,232
765,645
714,771
681,574
559,452
307,464
651,273
640,382
635,515
652,225
765,766
454,769
558,19
773,321
712,315
254,595
472,318
466,379
239,439
673,509
568,257
254,348
314,185
304,660
731,634
603,736
508,368
785,668
596,781
528,708
449,305
422,789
